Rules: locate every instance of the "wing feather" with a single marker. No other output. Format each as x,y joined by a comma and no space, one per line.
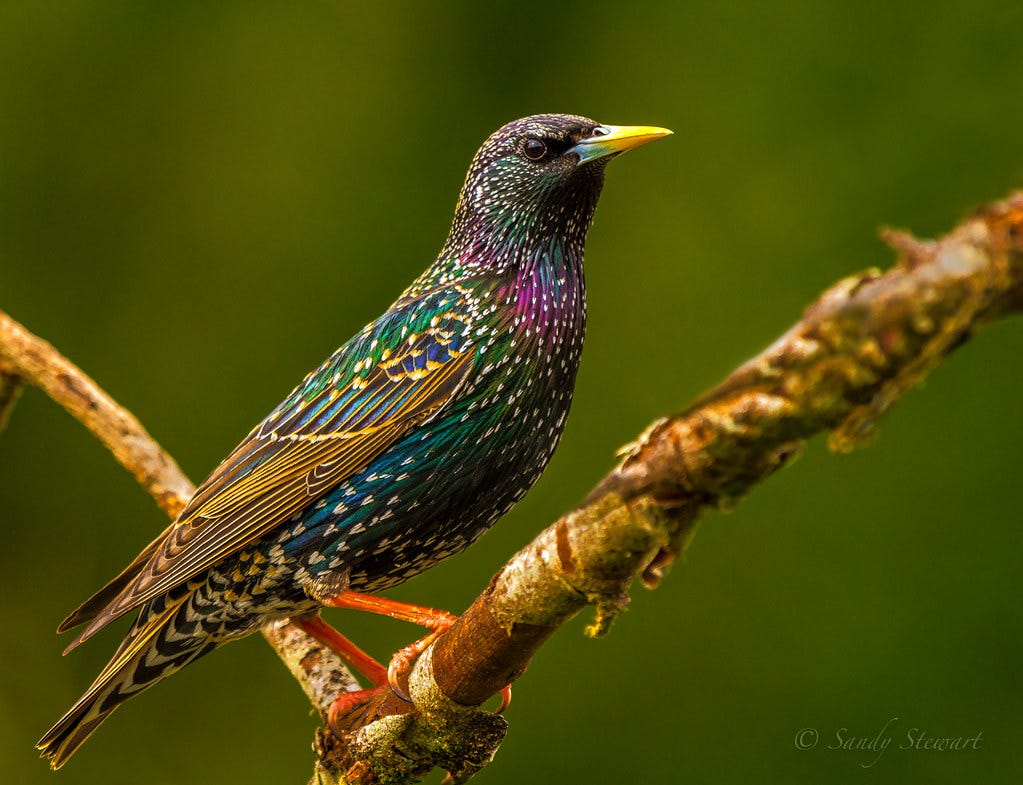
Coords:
320,435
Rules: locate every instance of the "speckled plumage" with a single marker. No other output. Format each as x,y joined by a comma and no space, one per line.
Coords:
401,449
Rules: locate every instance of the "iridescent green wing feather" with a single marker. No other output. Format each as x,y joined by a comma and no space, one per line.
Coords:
399,372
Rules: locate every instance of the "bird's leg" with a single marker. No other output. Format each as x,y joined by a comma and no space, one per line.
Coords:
354,657
436,620
403,611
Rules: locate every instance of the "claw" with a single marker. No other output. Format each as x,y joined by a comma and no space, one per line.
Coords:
403,660
401,663
392,681
506,696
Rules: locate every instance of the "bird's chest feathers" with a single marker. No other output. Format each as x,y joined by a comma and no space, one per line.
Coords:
528,357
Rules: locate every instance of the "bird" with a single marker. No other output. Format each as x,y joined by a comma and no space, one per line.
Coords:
399,450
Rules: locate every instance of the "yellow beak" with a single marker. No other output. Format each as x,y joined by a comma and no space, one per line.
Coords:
611,139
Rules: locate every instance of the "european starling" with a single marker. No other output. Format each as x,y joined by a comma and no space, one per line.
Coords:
400,450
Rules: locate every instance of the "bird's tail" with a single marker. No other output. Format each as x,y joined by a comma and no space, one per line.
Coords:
151,651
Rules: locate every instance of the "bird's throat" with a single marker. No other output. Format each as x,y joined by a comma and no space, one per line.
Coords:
550,291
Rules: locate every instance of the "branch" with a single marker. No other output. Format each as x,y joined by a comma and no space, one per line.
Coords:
865,342
32,360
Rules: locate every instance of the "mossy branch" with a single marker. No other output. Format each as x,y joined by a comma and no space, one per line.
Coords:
866,341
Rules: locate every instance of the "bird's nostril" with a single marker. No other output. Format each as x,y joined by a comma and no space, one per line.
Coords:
601,131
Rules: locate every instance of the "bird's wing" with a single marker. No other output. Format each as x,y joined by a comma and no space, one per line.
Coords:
397,373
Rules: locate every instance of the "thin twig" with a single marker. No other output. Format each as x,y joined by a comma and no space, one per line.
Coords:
11,386
39,364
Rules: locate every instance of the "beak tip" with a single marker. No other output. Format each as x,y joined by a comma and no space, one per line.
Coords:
617,139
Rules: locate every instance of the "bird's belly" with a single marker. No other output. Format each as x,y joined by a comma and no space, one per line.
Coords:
428,498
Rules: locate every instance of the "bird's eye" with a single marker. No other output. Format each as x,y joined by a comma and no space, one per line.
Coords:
534,149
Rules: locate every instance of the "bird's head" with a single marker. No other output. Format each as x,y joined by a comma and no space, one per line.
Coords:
537,180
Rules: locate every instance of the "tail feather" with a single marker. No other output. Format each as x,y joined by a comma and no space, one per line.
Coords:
132,669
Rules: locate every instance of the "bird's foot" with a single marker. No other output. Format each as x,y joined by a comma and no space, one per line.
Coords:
347,702
403,659
437,620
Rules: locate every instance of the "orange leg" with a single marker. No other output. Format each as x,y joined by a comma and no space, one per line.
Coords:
354,657
437,621
403,611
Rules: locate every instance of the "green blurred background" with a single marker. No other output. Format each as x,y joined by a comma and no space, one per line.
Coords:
199,201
